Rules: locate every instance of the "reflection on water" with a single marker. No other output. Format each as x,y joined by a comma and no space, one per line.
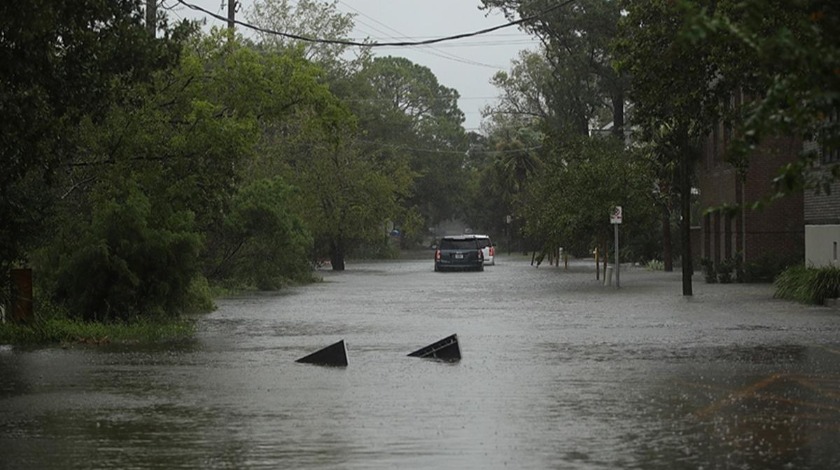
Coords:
557,372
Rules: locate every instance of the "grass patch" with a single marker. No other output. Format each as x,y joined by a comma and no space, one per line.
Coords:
58,330
808,285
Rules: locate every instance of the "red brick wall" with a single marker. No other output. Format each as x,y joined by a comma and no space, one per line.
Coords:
777,231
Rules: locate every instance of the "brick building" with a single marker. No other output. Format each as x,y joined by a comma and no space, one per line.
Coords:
822,217
772,236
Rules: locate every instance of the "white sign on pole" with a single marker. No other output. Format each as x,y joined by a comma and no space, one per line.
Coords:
616,215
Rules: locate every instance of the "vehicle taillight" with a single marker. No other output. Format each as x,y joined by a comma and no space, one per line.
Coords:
492,251
481,255
437,255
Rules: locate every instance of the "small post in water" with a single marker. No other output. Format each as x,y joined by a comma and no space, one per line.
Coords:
615,220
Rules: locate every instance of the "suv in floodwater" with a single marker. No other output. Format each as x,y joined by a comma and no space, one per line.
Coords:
487,248
459,252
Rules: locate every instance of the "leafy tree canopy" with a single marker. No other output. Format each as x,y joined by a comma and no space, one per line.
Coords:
62,62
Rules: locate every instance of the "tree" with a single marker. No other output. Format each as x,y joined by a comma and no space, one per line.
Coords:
263,242
348,197
526,96
311,19
675,88
179,167
411,113
500,187
156,172
561,92
577,41
131,260
61,62
569,202
783,54
307,139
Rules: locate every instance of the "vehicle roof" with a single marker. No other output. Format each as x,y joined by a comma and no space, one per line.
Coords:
459,237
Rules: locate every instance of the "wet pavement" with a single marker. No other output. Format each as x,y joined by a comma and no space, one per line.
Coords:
558,371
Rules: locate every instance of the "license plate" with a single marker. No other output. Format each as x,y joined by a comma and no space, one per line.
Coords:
459,256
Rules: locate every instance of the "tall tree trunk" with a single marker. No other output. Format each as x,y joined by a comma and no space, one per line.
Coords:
337,255
667,244
685,213
618,115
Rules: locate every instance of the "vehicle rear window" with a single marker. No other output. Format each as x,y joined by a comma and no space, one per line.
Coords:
449,244
483,242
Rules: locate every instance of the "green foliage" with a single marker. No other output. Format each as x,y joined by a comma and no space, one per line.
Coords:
569,203
263,243
573,84
62,62
306,18
808,285
62,330
414,121
768,268
412,229
655,265
709,271
199,296
132,260
783,53
725,270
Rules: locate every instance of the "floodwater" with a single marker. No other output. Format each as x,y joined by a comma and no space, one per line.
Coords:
558,371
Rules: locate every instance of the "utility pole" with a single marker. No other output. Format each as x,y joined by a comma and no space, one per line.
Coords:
231,14
151,17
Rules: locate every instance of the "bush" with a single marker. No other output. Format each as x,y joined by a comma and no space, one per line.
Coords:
131,260
655,265
767,268
262,243
808,285
724,271
709,271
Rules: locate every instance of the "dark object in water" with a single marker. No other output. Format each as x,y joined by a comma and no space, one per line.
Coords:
446,349
332,355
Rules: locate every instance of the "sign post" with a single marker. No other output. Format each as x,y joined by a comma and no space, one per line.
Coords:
615,219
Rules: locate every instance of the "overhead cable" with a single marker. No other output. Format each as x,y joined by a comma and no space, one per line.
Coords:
345,42
431,50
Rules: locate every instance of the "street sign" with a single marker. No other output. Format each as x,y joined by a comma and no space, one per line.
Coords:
616,215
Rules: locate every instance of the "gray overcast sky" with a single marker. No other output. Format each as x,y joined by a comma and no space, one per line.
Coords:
465,65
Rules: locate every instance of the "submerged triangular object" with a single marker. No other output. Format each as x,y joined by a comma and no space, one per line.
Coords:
332,355
446,349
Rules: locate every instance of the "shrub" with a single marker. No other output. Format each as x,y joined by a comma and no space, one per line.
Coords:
709,272
808,285
656,265
768,267
724,271
262,243
132,259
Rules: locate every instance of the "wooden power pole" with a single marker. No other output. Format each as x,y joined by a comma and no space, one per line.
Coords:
231,14
151,17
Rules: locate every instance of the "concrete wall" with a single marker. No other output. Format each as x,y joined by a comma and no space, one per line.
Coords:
822,245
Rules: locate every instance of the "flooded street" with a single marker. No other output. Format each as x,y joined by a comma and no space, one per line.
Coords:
558,371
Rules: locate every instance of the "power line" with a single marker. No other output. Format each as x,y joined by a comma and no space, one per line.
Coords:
434,51
345,42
